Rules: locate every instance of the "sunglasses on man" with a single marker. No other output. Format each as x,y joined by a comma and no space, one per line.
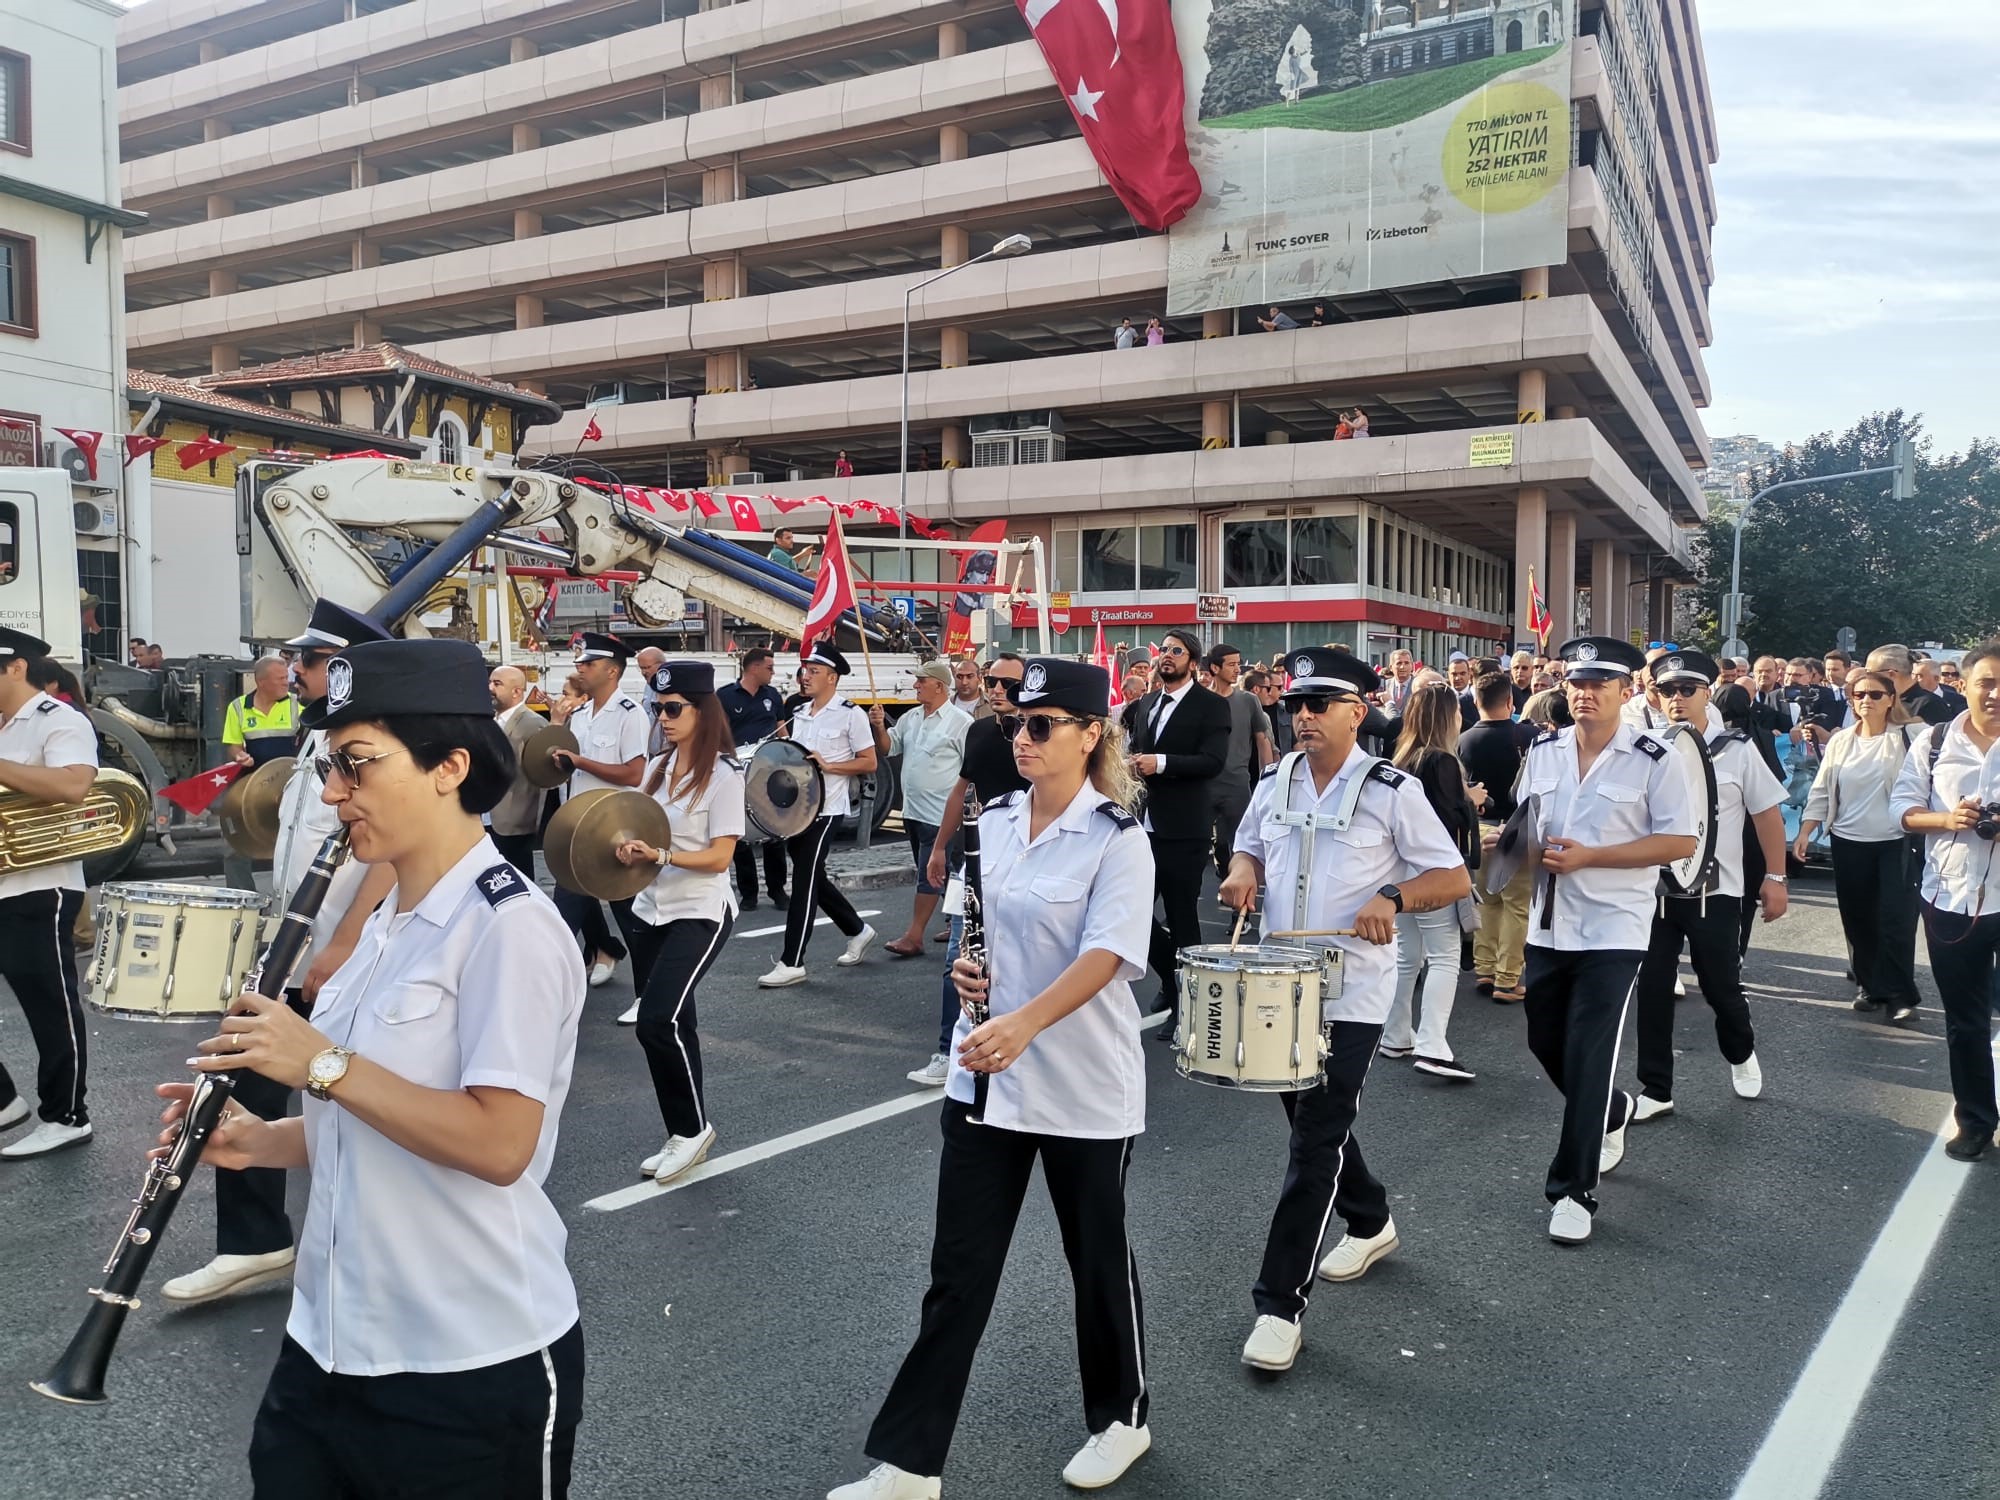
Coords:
1681,689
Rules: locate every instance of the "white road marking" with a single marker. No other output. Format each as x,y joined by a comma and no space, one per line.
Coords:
749,1156
1798,1452
1146,1023
817,922
1823,973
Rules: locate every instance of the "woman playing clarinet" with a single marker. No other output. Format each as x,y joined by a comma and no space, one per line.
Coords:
1065,900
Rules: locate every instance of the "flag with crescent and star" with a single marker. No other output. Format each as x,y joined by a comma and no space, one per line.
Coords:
1119,67
197,792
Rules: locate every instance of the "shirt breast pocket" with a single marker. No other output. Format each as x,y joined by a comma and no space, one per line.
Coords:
1056,906
416,1034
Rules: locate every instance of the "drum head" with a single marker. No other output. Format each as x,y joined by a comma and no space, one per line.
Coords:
582,839
538,756
783,792
1687,753
248,811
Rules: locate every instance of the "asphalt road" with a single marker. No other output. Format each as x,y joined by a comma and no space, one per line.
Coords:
742,1329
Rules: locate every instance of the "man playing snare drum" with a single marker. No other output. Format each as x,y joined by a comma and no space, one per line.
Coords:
1343,842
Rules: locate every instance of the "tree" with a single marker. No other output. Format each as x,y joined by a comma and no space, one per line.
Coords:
1845,553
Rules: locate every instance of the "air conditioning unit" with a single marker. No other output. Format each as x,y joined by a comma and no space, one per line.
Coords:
795,474
95,517
1022,437
748,476
61,453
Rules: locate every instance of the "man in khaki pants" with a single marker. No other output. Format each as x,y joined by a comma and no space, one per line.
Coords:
1491,752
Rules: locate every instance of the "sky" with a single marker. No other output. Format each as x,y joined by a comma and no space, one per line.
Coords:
1858,248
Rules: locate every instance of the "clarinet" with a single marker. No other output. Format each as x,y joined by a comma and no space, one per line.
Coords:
972,938
78,1377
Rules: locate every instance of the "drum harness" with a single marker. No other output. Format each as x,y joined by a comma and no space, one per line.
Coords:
1336,821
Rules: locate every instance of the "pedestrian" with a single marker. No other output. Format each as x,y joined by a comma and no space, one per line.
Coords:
1278,321
1133,688
1396,688
1521,672
1249,749
1156,333
754,706
1268,688
515,818
1949,793
260,726
1898,662
1125,336
1491,753
1357,420
1930,677
1874,861
928,741
1051,1072
842,469
1427,941
968,694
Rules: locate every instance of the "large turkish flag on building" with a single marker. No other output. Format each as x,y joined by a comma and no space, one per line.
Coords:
1118,65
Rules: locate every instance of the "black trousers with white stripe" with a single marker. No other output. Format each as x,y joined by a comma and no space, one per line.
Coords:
500,1432
1708,927
1576,1013
1326,1175
983,1177
38,961
813,889
668,962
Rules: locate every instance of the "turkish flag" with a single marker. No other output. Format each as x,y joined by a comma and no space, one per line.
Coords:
201,451
743,511
634,495
786,507
706,505
87,443
1120,69
591,434
138,445
197,793
833,593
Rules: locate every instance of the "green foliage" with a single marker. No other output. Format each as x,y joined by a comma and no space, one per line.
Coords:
1823,556
1377,106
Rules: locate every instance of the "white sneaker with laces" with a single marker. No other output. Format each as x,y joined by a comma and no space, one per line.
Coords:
1352,1257
934,1074
1612,1151
887,1482
14,1113
1273,1344
683,1153
651,1164
1569,1223
600,975
44,1138
1105,1458
630,1015
857,946
782,975
1649,1108
228,1275
1746,1078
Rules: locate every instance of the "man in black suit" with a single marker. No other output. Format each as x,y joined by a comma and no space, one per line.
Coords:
1179,739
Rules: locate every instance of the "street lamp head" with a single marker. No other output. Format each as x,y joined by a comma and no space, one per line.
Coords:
1014,244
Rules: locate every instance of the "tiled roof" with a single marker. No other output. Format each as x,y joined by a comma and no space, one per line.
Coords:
371,359
144,383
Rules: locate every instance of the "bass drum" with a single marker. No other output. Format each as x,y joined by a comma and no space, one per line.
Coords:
1687,754
783,791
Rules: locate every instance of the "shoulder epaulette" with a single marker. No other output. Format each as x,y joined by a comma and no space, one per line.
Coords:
1731,737
50,707
1005,799
501,883
1546,737
1268,772
626,703
1115,813
732,762
1387,774
1647,745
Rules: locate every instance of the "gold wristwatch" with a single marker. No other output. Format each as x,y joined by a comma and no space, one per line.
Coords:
326,1069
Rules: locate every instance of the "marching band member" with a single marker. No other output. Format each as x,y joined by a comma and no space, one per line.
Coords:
1058,1075
48,751
683,918
1707,923
611,736
836,734
253,1235
1339,839
433,1345
1609,810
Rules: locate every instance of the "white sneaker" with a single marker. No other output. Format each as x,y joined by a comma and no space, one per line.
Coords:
1649,1108
44,1138
14,1113
683,1153
600,975
651,1164
1352,1257
1612,1151
227,1275
781,976
1105,1458
1680,989
1746,1078
1273,1344
630,1015
857,945
1569,1223
934,1074
887,1482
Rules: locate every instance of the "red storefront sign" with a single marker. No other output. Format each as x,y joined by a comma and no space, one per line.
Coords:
1272,612
20,440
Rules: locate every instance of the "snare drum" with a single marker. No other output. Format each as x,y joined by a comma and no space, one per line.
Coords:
1250,1016
168,952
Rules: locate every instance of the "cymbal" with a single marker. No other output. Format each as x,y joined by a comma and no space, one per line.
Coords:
582,839
248,811
538,758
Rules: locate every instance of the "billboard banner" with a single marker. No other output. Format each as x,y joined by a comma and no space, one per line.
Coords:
1352,145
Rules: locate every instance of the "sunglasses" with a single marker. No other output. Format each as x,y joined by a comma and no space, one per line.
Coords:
672,710
316,658
348,767
1173,651
1039,726
993,682
1312,703
1661,646
1868,695
1680,689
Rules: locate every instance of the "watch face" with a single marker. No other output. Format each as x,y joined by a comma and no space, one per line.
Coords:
328,1067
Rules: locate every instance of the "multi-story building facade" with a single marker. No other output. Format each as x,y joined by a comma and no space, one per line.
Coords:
707,221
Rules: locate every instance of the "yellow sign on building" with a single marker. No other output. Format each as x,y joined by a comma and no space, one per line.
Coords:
1492,450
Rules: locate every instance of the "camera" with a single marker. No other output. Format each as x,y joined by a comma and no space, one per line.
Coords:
1988,826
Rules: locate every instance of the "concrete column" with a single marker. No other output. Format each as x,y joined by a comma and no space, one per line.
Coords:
213,129
220,205
221,283
521,49
1276,437
954,348
718,91
528,311
1621,594
224,357
365,173
953,143
527,223
367,331
1215,424
1216,325
1534,283
725,371
956,447
722,279
365,253
1561,586
954,247
213,52
1600,587
1660,609
1531,549
950,39
1564,414
526,138
1531,395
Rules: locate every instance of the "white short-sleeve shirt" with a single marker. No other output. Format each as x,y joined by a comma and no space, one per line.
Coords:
1744,787
613,734
932,745
1086,882
405,1265
693,824
839,732
1395,835
1961,869
305,819
48,733
1632,792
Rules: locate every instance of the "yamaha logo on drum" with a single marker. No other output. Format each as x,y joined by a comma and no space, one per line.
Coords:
339,682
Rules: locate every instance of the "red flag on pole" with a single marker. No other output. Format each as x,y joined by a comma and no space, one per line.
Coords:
138,445
833,594
1538,612
743,511
705,503
1120,70
201,451
198,793
592,433
1099,657
87,443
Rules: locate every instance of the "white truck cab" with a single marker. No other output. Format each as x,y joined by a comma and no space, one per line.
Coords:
38,583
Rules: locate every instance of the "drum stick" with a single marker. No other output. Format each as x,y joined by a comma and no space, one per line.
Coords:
1318,932
1242,916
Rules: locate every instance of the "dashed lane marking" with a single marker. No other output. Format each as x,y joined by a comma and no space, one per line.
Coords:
817,922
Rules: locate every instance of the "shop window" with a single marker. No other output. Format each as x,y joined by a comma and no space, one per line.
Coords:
1323,551
1166,559
1109,564
1253,555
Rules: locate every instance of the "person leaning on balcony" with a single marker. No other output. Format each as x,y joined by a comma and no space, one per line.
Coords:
1125,336
1279,321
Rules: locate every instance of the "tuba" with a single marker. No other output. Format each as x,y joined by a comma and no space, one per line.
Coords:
34,833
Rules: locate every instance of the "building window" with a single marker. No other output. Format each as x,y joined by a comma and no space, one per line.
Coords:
17,284
1253,555
16,129
1166,559
1323,551
451,439
99,574
1109,565
10,543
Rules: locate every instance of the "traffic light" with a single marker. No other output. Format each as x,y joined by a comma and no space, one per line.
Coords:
1905,460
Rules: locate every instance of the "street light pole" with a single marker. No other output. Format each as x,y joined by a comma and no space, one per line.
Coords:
1013,244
